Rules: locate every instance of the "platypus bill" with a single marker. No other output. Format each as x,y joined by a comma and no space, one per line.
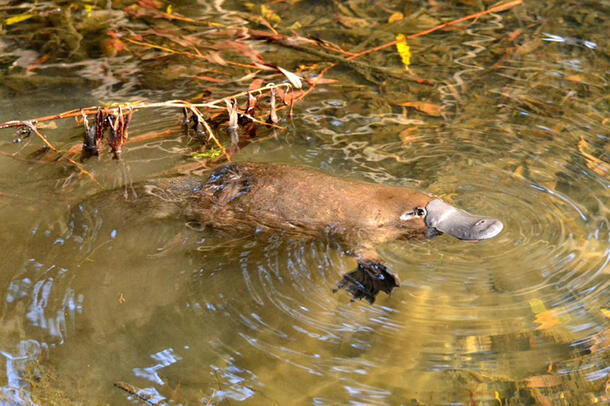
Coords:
258,196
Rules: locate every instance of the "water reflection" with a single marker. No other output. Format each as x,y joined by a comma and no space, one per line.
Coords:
188,316
17,388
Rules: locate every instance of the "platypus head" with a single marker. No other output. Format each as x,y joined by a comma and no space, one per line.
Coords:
441,217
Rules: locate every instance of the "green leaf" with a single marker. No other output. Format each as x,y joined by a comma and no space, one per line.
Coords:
210,154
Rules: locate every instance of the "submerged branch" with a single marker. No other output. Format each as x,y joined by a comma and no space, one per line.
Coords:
495,9
33,128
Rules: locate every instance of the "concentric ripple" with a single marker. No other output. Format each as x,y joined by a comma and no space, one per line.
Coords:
109,306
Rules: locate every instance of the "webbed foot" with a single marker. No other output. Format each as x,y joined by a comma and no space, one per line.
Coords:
367,280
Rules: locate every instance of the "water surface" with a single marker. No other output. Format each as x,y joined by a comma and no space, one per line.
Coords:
92,298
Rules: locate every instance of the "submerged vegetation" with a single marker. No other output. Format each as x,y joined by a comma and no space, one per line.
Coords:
223,75
223,51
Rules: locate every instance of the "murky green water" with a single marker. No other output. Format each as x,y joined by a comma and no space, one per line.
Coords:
208,317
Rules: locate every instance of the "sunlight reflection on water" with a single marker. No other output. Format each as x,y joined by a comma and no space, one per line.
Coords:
189,315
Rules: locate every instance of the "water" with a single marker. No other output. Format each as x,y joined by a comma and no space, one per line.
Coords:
94,297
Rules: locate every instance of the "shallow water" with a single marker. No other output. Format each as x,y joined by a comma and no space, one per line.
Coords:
198,317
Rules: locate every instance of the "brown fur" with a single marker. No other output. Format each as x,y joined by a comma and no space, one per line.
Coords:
273,197
304,201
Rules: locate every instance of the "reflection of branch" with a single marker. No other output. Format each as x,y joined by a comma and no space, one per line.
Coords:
137,392
362,66
32,128
185,53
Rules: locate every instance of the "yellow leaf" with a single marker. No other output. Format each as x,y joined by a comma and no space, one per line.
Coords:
18,19
606,312
546,320
518,173
88,10
395,17
169,9
403,50
270,14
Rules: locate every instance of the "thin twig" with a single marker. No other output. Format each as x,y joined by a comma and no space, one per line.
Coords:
363,66
186,53
113,109
51,147
495,9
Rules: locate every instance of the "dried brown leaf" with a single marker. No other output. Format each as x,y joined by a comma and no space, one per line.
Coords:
427,108
256,84
292,78
214,57
353,22
209,79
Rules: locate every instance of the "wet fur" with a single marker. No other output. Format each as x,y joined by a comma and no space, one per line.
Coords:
272,197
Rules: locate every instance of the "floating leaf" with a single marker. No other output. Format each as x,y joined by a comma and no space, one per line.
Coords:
18,19
403,50
606,312
546,319
428,108
395,17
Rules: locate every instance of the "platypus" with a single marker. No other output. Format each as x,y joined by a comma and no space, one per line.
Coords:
277,197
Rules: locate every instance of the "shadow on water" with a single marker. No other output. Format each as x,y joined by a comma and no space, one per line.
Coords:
179,315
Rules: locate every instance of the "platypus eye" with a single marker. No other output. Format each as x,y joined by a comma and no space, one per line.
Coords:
412,214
